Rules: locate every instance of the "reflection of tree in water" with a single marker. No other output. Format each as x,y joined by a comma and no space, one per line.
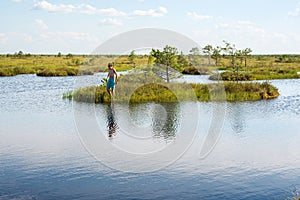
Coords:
161,118
166,125
237,118
111,121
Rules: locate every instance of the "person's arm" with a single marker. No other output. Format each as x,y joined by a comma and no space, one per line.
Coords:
107,76
116,75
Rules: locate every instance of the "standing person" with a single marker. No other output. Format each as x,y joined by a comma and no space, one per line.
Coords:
112,79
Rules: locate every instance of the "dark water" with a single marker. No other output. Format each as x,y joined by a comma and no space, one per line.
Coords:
51,148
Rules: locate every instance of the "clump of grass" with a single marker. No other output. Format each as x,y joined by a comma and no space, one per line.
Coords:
7,72
232,76
259,74
68,95
153,93
273,75
192,70
250,91
60,71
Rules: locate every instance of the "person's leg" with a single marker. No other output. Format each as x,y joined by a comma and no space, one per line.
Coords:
112,92
112,87
108,91
109,86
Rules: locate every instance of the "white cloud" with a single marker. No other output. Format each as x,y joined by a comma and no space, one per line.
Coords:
248,34
22,36
67,41
41,24
71,35
3,38
44,5
296,37
18,1
222,25
110,21
240,27
160,11
87,9
296,12
48,42
91,10
198,16
81,8
246,22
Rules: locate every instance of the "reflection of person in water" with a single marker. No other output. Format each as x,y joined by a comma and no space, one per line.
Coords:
111,121
166,129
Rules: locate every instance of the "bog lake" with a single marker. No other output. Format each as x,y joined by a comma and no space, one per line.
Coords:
48,149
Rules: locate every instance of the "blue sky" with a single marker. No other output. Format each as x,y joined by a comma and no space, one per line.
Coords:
79,26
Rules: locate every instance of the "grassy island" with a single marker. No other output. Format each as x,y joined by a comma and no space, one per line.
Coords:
141,87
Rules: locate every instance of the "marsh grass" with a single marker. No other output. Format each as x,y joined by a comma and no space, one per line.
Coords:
259,67
52,65
261,74
141,87
232,76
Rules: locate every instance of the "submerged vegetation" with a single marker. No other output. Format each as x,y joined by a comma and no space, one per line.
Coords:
148,87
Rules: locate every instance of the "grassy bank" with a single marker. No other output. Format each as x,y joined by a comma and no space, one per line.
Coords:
259,67
149,88
60,65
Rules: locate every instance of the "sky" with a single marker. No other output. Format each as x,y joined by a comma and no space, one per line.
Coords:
79,26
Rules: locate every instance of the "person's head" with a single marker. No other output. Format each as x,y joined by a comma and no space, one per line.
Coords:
110,65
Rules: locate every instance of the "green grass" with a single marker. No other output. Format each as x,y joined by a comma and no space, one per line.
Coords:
256,75
232,76
141,87
259,67
196,71
262,67
65,65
